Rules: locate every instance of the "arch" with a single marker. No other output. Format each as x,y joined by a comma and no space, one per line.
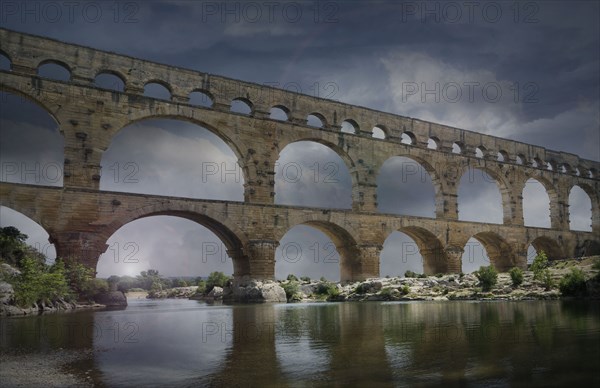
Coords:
345,244
458,147
479,177
241,105
550,247
565,168
158,89
350,126
32,98
228,233
110,79
536,204
201,97
379,132
408,138
577,171
316,120
503,156
27,221
5,62
520,159
581,207
54,69
551,165
498,250
130,163
480,152
400,193
24,161
279,112
428,247
592,173
316,175
433,143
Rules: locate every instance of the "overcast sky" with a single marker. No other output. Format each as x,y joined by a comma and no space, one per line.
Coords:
533,68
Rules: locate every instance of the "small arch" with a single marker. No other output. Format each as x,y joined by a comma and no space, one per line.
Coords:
580,208
408,138
503,156
316,120
241,105
433,143
107,79
577,171
279,112
55,70
551,165
201,97
5,62
379,132
350,126
480,152
565,168
520,159
158,90
457,147
592,173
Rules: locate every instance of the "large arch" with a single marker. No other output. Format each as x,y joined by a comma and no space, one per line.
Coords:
481,177
536,204
345,244
32,147
131,163
428,247
228,233
582,206
549,246
314,172
500,253
413,171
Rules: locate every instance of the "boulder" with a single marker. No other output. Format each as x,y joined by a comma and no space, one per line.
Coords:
216,293
7,292
258,292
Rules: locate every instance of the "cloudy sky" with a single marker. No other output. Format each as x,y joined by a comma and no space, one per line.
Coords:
527,71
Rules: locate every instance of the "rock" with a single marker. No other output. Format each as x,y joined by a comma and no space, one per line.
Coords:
258,292
9,270
7,292
216,293
307,289
111,299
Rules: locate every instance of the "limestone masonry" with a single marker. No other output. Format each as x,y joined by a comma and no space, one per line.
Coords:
80,218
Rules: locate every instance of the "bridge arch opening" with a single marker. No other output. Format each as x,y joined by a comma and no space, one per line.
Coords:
412,249
407,186
536,204
457,147
480,199
487,248
110,80
177,244
379,132
279,112
480,152
350,126
580,208
433,143
241,105
32,147
5,62
55,70
201,98
520,159
408,138
310,173
503,156
317,249
157,89
175,157
544,244
315,120
37,236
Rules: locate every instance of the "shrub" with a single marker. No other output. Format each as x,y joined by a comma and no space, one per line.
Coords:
201,287
573,283
361,289
305,279
422,276
386,291
326,288
38,282
516,275
546,279
291,289
410,274
540,263
292,277
216,279
488,277
405,289
439,275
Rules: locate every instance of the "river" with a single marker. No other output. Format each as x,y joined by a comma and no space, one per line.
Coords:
189,343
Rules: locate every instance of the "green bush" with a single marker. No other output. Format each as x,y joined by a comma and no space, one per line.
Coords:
386,291
361,289
573,283
410,274
201,287
488,277
546,279
439,275
540,263
327,288
305,279
516,275
39,282
291,289
596,265
422,276
216,279
405,290
292,277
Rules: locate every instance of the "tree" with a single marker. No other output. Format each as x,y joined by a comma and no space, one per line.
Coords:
516,275
216,279
488,277
540,263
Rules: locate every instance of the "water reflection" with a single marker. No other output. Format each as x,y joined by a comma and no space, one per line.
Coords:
188,343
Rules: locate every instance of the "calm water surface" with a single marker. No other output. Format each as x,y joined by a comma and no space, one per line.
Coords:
189,343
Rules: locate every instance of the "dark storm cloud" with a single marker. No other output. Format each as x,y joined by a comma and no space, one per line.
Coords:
360,52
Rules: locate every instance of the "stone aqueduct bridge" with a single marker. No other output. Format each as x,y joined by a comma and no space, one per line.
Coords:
80,218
